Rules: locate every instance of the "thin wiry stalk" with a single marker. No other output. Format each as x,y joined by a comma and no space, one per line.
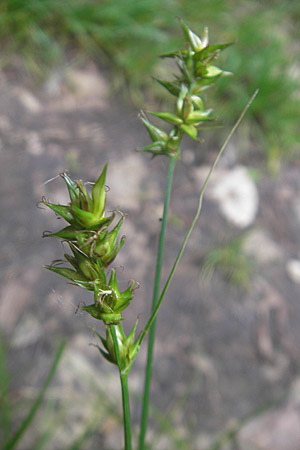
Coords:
125,392
153,316
30,416
148,373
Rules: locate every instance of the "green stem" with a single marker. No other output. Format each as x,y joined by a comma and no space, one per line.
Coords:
30,416
157,301
125,392
153,316
147,382
126,411
5,409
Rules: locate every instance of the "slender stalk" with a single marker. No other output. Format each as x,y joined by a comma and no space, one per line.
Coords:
5,410
126,411
148,373
125,392
153,316
30,416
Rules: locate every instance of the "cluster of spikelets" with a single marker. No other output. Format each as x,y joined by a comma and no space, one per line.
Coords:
94,247
93,244
196,73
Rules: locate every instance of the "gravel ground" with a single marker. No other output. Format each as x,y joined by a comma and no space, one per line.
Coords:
226,356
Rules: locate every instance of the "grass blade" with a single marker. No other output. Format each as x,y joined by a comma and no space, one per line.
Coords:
5,407
30,416
153,316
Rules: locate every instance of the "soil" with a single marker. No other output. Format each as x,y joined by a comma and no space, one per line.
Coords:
226,355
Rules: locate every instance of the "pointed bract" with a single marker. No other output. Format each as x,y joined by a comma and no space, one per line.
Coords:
99,194
193,39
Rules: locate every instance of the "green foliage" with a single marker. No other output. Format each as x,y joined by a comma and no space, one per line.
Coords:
53,407
265,56
119,31
231,262
128,35
94,248
196,73
5,404
11,439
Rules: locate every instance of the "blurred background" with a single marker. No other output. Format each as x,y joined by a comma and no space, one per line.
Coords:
73,77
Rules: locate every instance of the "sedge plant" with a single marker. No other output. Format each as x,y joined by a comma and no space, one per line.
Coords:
9,438
94,242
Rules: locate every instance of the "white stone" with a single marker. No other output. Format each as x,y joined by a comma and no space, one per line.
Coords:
78,89
18,289
34,144
53,84
293,270
260,246
89,83
294,394
126,181
28,100
188,157
274,430
237,196
296,205
5,124
27,332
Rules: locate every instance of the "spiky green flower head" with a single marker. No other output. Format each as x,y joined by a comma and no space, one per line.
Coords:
162,142
128,347
197,72
88,228
93,248
196,63
83,212
109,302
85,270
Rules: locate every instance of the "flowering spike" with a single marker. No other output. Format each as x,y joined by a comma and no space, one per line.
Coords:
85,201
173,88
106,355
62,210
72,188
98,194
130,338
71,274
157,148
67,233
205,37
182,95
83,263
125,297
155,133
168,117
103,314
212,51
196,117
190,130
128,348
193,39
